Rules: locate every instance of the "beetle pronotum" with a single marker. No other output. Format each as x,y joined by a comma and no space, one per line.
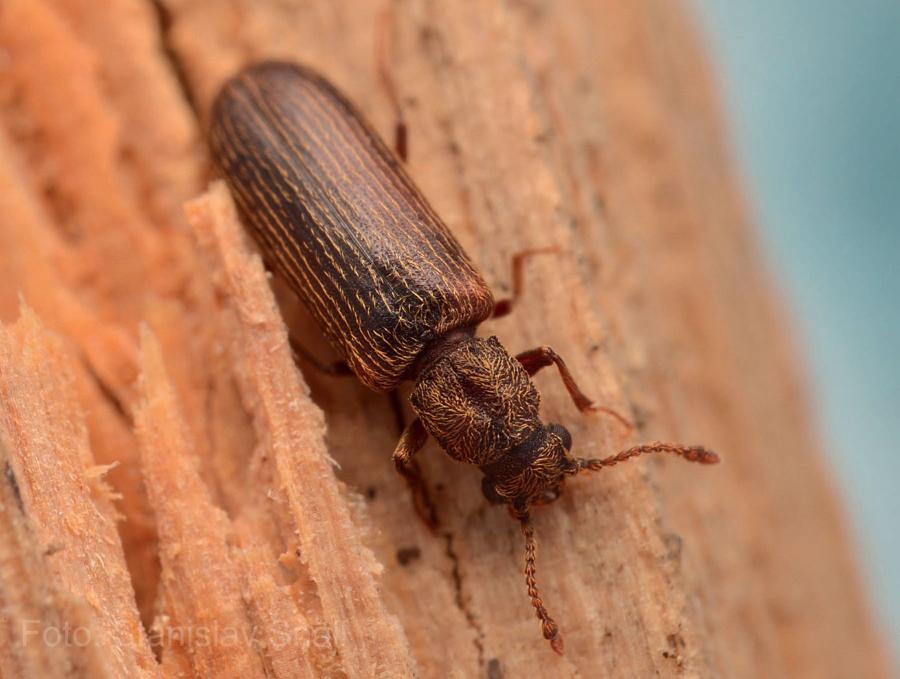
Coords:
336,215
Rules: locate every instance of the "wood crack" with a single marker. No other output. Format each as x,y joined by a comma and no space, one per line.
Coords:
461,603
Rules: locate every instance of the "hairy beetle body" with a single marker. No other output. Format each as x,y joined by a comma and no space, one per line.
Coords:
336,215
334,212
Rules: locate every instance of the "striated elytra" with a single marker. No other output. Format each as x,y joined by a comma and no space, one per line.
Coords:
336,215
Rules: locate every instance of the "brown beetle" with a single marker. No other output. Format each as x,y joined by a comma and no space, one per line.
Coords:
336,215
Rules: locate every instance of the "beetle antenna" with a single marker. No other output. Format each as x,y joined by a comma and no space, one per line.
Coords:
689,453
548,624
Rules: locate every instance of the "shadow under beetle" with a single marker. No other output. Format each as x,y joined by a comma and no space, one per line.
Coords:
336,215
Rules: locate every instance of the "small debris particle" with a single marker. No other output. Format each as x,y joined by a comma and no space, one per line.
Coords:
676,646
674,545
14,484
406,555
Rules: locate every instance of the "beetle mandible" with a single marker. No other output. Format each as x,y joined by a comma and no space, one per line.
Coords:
336,215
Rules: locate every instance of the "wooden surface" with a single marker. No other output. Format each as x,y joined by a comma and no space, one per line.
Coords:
148,337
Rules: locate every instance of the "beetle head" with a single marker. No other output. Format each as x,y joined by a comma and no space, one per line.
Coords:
532,472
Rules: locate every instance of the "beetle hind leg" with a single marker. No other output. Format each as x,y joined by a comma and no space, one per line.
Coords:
384,42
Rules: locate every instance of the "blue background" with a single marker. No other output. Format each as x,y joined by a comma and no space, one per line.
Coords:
812,91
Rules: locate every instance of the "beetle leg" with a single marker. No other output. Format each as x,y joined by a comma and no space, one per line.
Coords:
504,306
397,407
535,359
400,137
336,369
411,441
384,41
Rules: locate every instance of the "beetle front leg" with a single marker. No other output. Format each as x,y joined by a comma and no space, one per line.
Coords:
411,441
535,359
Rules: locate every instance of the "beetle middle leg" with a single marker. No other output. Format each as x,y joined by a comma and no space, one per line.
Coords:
411,441
535,359
504,306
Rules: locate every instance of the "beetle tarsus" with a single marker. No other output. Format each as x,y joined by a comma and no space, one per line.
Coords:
400,138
